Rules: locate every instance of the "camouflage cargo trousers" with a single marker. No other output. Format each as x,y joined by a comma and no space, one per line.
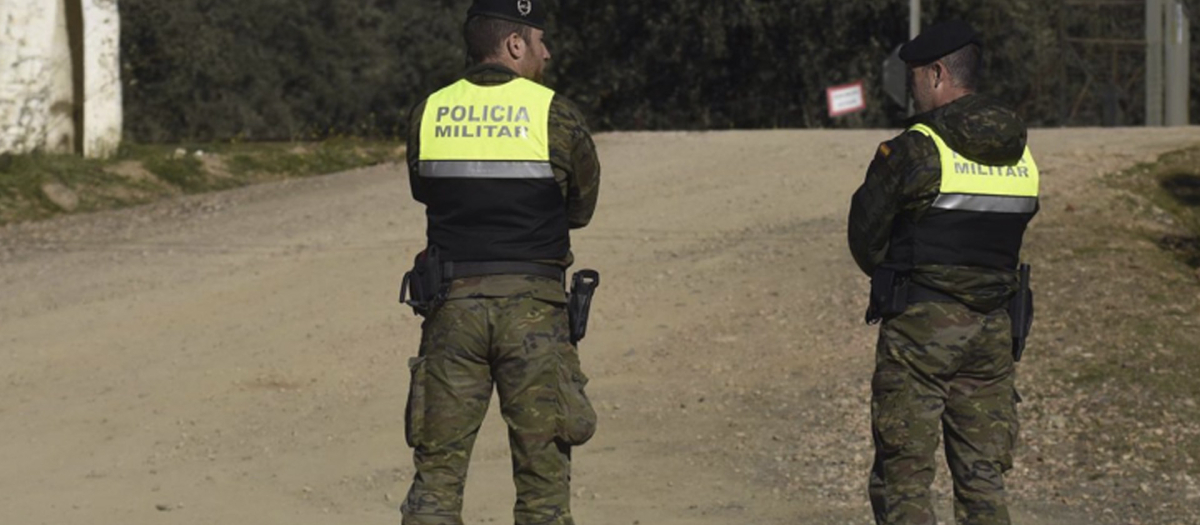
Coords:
945,371
522,346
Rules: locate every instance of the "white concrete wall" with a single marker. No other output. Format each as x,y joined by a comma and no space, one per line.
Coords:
102,111
26,37
60,122
37,90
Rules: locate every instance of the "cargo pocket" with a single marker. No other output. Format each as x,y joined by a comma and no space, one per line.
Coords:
414,409
1012,431
1006,457
576,418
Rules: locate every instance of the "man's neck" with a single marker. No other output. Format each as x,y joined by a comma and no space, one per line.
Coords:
500,63
953,96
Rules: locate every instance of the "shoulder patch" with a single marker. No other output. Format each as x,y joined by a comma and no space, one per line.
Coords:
885,150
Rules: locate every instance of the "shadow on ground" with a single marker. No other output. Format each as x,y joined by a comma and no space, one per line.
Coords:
1187,248
1184,187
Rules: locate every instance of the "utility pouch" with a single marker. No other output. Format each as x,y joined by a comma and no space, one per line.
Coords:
1020,312
576,421
414,409
579,302
423,287
889,294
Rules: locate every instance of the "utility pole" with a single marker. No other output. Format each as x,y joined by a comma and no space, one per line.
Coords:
1154,62
914,29
1178,39
914,18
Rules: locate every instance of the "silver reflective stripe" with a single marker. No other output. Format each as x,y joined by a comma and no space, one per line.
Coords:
986,203
475,169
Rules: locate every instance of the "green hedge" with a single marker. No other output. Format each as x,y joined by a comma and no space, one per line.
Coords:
281,69
277,70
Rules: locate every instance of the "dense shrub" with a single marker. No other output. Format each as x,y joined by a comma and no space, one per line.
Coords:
279,69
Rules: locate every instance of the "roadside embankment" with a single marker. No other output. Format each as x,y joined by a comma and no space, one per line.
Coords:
38,186
1111,422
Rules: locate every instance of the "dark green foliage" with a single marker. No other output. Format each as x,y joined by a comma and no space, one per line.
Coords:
677,63
276,69
281,69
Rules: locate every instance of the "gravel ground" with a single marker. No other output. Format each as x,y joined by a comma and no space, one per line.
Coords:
238,357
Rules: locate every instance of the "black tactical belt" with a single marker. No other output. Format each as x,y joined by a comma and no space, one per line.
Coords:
462,270
924,294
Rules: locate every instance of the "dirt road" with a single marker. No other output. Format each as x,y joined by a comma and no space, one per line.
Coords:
239,358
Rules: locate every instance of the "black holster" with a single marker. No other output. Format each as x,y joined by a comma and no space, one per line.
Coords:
579,302
423,288
1020,311
889,294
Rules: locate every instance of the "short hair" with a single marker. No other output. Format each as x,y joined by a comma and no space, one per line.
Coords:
484,36
966,66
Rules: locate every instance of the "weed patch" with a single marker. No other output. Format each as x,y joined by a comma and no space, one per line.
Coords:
1147,319
38,186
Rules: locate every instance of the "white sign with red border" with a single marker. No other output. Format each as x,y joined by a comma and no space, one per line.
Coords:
846,99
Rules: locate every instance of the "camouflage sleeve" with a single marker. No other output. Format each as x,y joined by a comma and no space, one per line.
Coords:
413,151
921,173
573,157
873,210
902,179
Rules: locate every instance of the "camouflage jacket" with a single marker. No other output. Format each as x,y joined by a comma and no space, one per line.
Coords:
576,169
905,177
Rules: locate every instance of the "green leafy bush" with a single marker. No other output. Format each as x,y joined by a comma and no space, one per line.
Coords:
282,70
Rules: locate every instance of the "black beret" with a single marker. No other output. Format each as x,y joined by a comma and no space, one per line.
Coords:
528,12
938,41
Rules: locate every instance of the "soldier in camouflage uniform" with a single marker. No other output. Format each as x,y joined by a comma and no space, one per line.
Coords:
944,363
514,169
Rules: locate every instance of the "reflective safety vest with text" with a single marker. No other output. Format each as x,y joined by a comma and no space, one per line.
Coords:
978,218
484,161
487,131
972,186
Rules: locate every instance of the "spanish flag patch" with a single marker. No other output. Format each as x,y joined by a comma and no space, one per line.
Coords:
885,150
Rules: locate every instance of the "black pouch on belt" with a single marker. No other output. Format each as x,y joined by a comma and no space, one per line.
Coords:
583,287
1020,311
423,287
889,294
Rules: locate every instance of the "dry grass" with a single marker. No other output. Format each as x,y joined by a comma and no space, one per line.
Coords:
144,173
1111,419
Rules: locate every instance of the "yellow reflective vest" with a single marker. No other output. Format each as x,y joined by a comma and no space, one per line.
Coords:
497,131
973,186
978,218
485,160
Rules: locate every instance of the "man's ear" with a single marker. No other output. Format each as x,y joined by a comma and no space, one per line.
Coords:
515,45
